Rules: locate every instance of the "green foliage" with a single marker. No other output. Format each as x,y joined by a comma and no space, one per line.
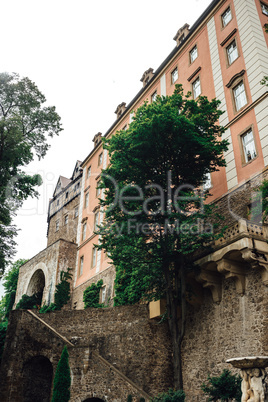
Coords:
170,396
10,282
62,294
150,233
129,398
226,387
259,211
91,295
24,124
29,302
62,379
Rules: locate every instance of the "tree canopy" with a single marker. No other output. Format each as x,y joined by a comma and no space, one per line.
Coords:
156,217
25,124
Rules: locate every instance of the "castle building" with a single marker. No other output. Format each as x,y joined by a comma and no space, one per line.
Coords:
222,55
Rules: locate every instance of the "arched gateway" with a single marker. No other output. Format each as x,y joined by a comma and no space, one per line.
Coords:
37,285
37,379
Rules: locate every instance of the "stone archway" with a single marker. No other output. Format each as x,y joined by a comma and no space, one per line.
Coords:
37,284
37,379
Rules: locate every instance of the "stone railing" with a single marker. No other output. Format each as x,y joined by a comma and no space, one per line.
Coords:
243,228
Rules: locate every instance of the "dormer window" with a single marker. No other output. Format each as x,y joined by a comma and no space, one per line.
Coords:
97,139
181,34
147,75
120,109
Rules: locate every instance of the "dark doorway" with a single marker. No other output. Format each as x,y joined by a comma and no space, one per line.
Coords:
37,379
36,285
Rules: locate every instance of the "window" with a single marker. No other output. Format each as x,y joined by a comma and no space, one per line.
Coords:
76,212
77,186
67,194
100,158
193,54
196,88
86,200
81,265
207,182
84,231
98,190
65,219
248,144
57,225
94,256
96,220
58,202
264,8
153,97
232,52
88,172
226,17
102,294
124,128
240,97
174,75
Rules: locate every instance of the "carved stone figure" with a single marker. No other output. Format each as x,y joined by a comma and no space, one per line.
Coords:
253,385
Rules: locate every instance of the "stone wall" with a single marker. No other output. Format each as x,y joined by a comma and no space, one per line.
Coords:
235,327
65,231
124,336
108,277
51,261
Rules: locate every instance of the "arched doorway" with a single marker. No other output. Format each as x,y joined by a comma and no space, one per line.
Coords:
36,285
37,379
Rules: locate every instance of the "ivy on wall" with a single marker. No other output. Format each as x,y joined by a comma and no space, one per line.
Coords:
62,294
91,295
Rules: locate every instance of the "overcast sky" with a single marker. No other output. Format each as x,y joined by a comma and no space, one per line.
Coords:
86,57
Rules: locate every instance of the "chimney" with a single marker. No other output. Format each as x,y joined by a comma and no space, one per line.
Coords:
97,139
181,34
147,75
120,109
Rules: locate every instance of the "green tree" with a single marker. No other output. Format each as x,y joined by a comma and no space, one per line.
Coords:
225,387
25,124
10,282
155,215
62,379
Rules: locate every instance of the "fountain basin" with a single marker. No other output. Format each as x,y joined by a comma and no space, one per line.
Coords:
249,362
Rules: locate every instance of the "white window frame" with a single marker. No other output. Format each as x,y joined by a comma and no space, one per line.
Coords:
193,54
84,231
96,220
94,256
88,172
264,8
76,212
195,94
240,96
249,147
100,160
86,200
66,218
57,225
174,75
102,294
154,96
207,184
225,21
230,52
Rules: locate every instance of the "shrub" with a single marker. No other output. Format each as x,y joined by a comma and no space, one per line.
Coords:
29,302
170,396
223,388
62,380
62,294
91,295
129,398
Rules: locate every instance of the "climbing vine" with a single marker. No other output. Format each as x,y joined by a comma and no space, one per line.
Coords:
91,295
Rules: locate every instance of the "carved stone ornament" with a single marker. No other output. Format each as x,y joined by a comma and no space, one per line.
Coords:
253,376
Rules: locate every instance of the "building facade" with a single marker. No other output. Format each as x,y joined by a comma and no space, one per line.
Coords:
223,55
